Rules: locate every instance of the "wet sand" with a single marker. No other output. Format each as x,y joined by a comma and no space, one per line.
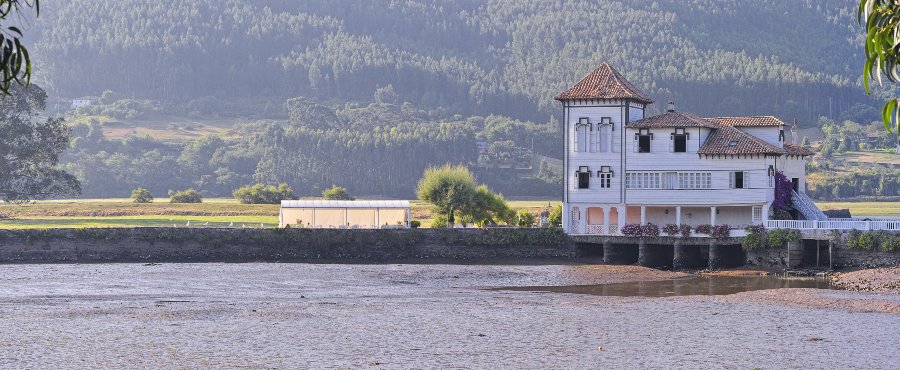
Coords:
420,316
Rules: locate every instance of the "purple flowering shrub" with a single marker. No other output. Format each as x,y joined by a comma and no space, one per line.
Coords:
783,189
650,230
631,230
685,230
720,231
671,229
703,229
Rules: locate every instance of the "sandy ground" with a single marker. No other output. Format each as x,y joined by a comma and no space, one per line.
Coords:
419,316
885,280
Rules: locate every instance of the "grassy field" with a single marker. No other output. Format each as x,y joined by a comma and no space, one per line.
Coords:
213,212
886,156
864,208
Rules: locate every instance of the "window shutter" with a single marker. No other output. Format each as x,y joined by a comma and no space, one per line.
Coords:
577,134
635,146
671,143
746,179
731,180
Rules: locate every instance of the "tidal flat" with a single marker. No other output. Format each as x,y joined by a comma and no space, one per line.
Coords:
270,315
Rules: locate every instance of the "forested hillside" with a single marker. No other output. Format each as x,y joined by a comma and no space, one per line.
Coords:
367,94
790,58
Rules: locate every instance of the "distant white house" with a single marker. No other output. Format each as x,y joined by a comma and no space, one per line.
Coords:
84,101
674,168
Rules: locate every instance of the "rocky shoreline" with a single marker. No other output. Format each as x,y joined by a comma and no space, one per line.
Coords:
879,280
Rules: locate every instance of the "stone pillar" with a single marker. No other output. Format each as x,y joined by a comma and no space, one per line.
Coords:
795,253
643,215
607,251
680,258
712,216
644,254
714,260
678,215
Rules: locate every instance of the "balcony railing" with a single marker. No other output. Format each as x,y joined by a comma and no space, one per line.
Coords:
835,224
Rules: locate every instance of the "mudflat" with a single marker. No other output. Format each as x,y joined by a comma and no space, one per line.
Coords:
262,315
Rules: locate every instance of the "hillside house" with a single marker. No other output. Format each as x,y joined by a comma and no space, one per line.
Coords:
674,168
84,101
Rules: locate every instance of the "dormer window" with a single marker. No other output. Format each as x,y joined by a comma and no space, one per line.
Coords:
679,140
642,140
584,177
605,174
732,143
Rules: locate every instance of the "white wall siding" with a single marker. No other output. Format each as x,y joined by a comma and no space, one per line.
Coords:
794,167
767,133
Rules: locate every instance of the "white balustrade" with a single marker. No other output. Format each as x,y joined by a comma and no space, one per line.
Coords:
836,224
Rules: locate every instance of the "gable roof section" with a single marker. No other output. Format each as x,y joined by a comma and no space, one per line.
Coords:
604,82
729,140
748,121
671,120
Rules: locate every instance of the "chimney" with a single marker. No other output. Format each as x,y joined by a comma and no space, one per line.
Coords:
671,106
794,132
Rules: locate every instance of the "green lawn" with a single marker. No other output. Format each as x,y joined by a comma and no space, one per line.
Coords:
864,208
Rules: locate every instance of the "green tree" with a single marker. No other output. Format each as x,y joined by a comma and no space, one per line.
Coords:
336,193
524,218
14,59
185,196
487,208
261,194
141,195
882,45
555,218
449,188
30,148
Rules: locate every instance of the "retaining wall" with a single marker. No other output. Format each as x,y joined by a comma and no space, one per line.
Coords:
283,245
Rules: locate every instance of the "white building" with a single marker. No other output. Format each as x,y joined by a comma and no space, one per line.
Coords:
345,214
84,101
674,168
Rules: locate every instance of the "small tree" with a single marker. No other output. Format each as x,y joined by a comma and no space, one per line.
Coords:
336,193
555,217
185,196
524,218
141,195
261,194
449,188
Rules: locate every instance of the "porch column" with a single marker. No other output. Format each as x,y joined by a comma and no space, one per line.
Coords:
678,215
712,216
606,220
643,215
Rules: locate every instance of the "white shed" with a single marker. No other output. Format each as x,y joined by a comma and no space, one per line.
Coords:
345,214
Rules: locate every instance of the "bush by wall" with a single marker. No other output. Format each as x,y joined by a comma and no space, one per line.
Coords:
703,229
685,230
650,230
720,231
631,230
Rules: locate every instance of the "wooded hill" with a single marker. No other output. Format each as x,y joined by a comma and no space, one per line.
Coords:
789,58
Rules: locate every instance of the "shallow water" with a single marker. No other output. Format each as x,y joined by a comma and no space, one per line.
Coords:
695,285
263,315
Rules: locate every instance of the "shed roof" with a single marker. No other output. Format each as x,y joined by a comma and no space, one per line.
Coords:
319,203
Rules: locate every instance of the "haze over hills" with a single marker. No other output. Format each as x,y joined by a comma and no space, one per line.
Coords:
794,59
367,94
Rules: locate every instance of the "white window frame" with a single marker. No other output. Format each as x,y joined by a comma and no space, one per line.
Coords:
756,215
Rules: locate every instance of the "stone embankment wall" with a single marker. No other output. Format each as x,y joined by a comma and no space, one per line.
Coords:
282,245
833,256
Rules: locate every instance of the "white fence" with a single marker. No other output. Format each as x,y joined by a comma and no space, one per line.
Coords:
888,224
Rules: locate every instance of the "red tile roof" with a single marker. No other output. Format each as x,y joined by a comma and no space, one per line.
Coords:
673,119
724,139
729,140
792,149
748,121
604,83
